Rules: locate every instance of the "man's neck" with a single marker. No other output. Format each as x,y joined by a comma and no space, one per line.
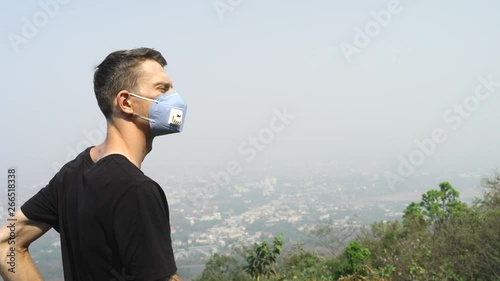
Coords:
127,141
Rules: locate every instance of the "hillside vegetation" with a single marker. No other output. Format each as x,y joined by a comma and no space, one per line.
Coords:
438,238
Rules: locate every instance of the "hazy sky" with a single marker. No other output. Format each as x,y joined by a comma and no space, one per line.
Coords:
363,80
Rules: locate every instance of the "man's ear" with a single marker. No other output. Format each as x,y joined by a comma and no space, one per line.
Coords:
124,102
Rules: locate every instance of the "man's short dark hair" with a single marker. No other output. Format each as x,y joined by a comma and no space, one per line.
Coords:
119,72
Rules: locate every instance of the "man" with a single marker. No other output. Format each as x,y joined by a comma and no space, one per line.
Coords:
113,220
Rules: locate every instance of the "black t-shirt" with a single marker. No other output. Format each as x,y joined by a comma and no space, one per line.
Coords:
113,220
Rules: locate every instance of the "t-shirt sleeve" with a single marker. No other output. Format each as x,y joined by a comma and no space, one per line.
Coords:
42,207
142,232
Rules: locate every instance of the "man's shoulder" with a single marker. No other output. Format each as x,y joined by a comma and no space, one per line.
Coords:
144,194
74,167
114,171
144,185
117,170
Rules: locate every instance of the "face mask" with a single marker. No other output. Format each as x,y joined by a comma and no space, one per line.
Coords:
166,113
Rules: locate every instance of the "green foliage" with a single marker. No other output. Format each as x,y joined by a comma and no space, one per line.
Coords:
439,238
385,272
223,268
333,239
442,238
416,272
435,208
441,204
356,257
302,265
413,216
486,245
492,192
381,239
261,260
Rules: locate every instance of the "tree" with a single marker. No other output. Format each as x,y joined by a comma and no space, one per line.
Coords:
356,258
436,206
491,193
488,245
386,242
333,239
427,242
299,264
440,238
440,204
261,260
222,268
413,216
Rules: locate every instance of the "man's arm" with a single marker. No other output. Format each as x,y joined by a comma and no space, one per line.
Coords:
142,233
175,277
26,231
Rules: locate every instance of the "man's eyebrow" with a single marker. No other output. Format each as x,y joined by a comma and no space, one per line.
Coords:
166,85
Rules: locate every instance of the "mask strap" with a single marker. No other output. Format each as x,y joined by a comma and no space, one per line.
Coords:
148,99
144,117
144,98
